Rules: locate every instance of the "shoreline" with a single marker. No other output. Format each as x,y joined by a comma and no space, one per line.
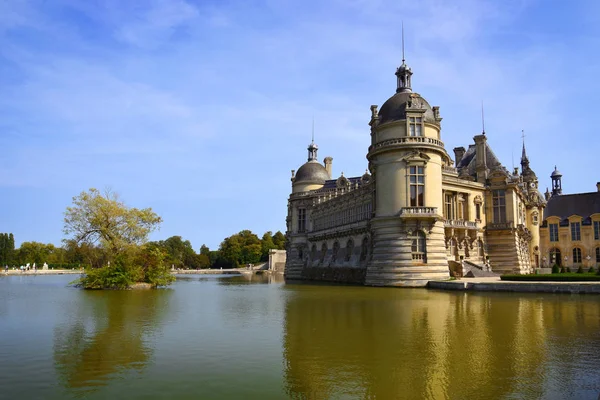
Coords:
464,284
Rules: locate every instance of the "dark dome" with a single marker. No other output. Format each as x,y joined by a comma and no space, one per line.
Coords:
394,109
312,172
555,173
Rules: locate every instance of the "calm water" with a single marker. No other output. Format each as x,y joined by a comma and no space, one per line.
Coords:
232,338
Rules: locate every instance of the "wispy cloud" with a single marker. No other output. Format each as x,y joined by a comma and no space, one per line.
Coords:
202,108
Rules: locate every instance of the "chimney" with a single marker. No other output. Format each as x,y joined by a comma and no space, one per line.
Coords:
598,186
459,152
480,158
328,161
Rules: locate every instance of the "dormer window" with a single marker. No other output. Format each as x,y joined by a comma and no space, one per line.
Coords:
415,126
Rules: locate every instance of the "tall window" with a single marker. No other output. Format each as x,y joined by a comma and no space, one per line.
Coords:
553,232
575,231
449,206
555,256
499,204
417,186
301,220
478,211
596,230
418,247
576,255
415,127
598,254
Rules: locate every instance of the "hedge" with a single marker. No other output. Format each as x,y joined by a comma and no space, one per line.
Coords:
566,277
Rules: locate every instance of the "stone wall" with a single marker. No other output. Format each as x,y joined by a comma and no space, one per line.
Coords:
277,260
335,274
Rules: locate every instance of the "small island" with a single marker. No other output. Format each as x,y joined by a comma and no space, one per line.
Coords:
121,234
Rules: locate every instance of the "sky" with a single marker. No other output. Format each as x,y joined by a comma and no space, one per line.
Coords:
201,109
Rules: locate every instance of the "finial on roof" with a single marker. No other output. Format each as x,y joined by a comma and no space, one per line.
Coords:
403,73
313,129
402,42
482,120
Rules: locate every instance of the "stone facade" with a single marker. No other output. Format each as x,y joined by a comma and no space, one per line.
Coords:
570,231
415,215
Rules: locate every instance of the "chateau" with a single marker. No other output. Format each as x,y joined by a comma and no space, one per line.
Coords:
416,214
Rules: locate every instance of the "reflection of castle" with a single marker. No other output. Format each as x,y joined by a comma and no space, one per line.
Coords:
364,343
416,213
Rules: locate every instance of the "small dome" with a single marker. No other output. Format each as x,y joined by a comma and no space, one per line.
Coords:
311,172
556,173
394,109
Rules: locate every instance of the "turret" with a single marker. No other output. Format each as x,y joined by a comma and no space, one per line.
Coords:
556,177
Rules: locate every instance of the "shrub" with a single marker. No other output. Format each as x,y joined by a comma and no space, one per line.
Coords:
591,270
562,270
580,270
568,270
555,269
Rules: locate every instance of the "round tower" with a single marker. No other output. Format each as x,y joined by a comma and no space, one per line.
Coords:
406,157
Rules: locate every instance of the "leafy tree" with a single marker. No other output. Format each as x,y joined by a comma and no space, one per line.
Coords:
204,250
117,233
241,248
267,244
104,219
279,240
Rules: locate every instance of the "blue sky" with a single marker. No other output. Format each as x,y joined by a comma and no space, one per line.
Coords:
200,109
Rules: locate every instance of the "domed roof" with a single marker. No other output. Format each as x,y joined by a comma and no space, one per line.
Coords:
311,172
394,109
556,173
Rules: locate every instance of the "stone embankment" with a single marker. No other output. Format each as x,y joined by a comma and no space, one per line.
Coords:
496,285
42,272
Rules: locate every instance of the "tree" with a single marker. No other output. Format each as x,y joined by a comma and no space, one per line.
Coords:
119,233
279,240
105,220
267,244
241,248
204,250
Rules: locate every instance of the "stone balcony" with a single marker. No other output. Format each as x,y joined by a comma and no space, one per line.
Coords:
500,225
419,212
460,224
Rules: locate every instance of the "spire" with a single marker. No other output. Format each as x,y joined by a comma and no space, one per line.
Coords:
403,72
312,147
524,159
482,120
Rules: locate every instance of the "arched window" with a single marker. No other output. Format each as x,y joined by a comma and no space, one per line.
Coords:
418,248
323,252
364,249
576,255
336,248
555,256
349,249
300,252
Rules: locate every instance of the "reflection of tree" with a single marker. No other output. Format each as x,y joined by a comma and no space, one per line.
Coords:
374,343
106,333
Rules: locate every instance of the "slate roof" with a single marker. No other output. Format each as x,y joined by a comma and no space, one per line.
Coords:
565,205
332,183
394,109
312,171
469,160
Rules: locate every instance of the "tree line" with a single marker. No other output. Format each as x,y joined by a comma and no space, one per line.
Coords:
234,251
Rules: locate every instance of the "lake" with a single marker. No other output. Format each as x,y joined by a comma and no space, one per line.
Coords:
235,337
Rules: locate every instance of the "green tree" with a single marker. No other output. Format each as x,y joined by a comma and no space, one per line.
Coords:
267,244
119,232
204,250
279,240
103,219
241,248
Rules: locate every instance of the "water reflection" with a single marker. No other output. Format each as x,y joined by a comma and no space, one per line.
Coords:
105,334
377,343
